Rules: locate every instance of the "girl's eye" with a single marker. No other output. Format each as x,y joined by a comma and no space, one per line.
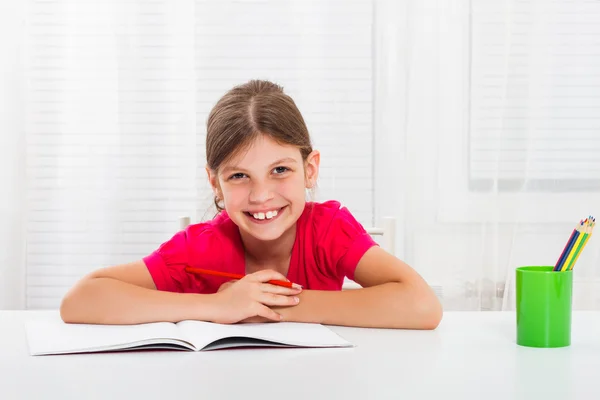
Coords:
280,170
239,175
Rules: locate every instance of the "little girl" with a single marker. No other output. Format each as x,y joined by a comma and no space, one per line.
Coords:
260,162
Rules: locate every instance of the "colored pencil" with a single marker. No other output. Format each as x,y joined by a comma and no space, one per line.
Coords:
564,252
238,276
587,234
576,241
575,245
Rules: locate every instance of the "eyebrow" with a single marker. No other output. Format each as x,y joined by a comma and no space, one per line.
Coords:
280,161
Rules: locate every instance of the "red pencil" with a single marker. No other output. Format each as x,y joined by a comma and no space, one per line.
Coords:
238,276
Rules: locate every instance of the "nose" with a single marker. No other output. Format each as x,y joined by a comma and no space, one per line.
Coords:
261,192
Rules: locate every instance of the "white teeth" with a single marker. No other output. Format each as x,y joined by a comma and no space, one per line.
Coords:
268,215
271,214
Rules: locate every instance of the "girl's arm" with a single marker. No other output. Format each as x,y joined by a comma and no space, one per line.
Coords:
126,294
393,296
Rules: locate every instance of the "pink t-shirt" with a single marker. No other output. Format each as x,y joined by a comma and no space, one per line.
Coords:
329,244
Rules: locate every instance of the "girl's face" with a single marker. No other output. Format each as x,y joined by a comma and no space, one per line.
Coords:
263,188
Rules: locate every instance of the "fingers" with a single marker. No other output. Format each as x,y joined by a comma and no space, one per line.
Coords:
266,275
266,312
268,288
256,319
270,299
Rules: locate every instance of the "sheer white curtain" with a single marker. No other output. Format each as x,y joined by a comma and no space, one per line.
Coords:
12,152
111,141
104,109
496,122
474,123
98,138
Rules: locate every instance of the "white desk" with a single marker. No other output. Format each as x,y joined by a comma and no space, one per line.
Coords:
472,355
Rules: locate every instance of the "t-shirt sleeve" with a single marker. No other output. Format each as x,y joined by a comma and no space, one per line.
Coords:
167,263
343,242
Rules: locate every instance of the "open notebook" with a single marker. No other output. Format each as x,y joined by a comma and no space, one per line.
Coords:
50,335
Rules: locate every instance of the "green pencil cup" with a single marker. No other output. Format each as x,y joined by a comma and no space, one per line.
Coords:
544,299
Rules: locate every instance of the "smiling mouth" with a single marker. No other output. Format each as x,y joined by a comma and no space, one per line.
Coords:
264,216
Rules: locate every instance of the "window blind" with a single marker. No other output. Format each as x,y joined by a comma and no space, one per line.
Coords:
117,99
534,113
320,51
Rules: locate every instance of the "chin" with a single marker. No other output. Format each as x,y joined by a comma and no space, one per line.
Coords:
265,233
265,236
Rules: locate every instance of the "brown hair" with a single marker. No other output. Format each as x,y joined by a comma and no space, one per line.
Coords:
255,108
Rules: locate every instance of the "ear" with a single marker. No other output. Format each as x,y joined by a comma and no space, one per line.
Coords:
311,168
214,181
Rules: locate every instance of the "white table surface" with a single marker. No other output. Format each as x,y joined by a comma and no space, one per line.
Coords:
472,355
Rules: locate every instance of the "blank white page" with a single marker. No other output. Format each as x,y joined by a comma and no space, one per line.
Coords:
49,334
291,333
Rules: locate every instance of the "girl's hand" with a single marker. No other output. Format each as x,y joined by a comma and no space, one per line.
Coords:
255,319
251,297
225,285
